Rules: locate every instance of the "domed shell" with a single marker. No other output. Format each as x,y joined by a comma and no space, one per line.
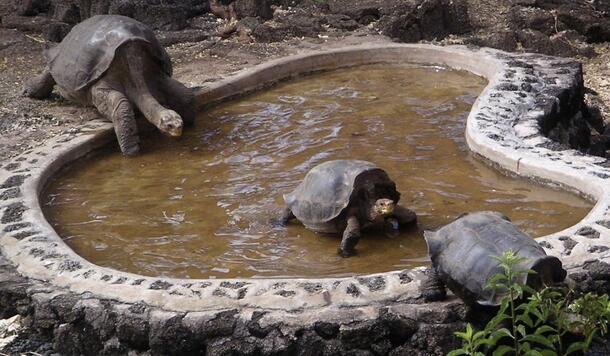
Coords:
462,253
87,51
326,191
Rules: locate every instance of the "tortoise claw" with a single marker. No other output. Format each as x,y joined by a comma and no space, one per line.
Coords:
391,228
277,223
346,253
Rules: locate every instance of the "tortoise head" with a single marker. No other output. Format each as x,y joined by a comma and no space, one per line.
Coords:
380,200
549,271
170,123
381,209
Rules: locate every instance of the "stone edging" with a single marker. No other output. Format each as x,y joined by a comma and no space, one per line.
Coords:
524,92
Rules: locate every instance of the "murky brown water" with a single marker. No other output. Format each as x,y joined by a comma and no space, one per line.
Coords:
199,207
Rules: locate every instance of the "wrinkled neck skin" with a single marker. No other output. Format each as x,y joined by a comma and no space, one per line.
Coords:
379,209
371,210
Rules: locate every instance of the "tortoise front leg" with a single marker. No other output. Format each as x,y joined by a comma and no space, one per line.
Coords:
39,87
116,108
391,227
284,218
351,235
404,216
432,287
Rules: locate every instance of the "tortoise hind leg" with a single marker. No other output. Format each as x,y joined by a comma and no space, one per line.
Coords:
39,87
116,108
351,236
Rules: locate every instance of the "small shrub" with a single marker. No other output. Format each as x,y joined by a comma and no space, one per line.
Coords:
551,322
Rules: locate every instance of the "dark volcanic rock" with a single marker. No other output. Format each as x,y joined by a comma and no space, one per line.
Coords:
297,23
342,22
165,15
32,7
239,9
526,17
426,20
563,44
504,40
66,12
578,15
56,31
361,11
252,8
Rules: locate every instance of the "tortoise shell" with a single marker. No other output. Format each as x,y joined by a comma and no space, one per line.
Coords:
87,51
327,190
463,252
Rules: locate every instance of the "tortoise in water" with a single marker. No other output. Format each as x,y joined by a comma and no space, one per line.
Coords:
112,62
346,196
463,252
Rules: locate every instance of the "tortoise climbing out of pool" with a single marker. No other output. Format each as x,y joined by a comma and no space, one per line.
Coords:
113,62
463,252
346,196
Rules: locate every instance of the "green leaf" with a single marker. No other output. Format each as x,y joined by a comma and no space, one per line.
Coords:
487,342
548,353
496,278
503,350
469,331
461,335
500,333
478,335
543,329
539,340
521,330
533,353
495,321
538,314
589,338
458,352
526,320
575,347
528,289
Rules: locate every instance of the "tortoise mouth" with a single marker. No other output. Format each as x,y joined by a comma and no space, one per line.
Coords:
386,211
172,131
175,133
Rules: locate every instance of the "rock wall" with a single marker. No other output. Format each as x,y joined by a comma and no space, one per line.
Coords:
82,324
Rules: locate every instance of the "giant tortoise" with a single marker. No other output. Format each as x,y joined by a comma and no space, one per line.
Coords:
463,252
112,62
346,196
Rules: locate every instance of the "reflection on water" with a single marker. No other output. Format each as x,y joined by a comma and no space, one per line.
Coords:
199,207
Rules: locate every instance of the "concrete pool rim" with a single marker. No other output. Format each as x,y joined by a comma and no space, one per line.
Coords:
503,126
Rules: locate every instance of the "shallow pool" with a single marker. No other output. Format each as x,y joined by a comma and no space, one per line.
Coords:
199,207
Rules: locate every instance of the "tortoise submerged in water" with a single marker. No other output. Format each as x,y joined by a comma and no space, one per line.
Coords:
346,196
112,62
463,252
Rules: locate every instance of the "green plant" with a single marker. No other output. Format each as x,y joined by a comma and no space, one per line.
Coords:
550,323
